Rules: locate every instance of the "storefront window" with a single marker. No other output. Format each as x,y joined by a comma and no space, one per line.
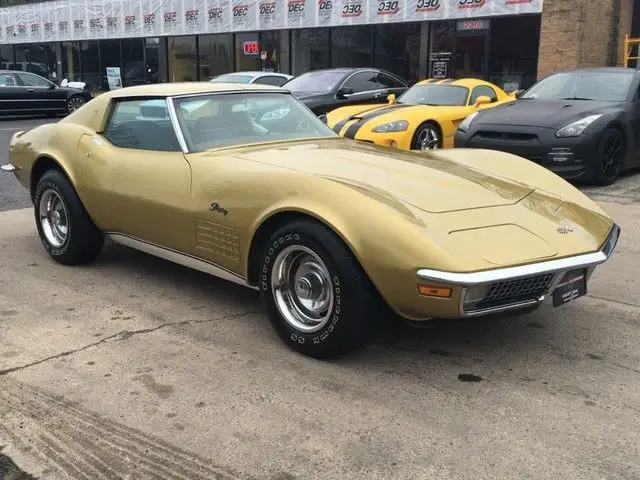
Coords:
71,61
109,57
156,59
310,50
443,42
6,56
397,48
32,58
247,52
513,65
52,61
90,58
270,44
351,46
182,59
215,55
133,62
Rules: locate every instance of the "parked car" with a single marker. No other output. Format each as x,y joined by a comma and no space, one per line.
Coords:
265,78
582,124
424,117
261,203
27,93
326,90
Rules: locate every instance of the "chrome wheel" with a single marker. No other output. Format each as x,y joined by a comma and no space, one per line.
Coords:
75,103
428,139
54,218
302,288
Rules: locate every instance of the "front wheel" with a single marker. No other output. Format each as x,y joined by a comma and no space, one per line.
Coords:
427,137
317,296
611,151
65,229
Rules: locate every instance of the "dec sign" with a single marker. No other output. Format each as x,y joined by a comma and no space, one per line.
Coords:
250,47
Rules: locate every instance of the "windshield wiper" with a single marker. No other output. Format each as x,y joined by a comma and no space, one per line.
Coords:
576,98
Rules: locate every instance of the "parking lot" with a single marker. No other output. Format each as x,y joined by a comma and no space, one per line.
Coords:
134,367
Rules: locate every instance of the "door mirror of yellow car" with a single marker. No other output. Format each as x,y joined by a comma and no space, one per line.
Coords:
392,98
482,100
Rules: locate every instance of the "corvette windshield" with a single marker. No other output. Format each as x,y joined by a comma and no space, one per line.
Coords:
442,95
226,120
582,85
314,82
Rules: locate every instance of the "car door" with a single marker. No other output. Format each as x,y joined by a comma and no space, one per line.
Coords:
12,96
41,93
135,180
361,88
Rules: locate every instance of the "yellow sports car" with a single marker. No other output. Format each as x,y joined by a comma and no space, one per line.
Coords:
246,183
425,117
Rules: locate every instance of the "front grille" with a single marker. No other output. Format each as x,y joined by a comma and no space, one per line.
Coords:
514,291
511,136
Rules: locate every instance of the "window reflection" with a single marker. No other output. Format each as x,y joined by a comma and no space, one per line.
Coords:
310,49
182,59
133,72
90,59
351,47
71,61
397,49
215,55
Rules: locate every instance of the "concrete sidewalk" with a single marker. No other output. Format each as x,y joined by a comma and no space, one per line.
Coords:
137,368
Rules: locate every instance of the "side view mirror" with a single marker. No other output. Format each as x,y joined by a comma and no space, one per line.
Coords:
518,93
482,100
323,118
392,98
344,91
52,86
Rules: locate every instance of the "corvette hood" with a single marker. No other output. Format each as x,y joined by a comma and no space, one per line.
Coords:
543,113
428,182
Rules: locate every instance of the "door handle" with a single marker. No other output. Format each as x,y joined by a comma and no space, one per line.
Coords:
30,90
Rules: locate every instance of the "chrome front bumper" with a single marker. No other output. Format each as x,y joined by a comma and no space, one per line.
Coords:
521,287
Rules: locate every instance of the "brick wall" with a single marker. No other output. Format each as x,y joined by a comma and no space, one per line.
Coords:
581,33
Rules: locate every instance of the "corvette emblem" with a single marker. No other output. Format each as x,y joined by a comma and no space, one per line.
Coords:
563,228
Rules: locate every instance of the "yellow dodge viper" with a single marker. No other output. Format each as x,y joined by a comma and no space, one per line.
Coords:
425,117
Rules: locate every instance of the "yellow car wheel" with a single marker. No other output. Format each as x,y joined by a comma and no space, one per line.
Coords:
428,136
317,296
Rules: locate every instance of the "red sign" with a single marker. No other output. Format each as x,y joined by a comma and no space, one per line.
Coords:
250,48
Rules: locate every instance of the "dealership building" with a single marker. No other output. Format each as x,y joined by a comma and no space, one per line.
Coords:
508,42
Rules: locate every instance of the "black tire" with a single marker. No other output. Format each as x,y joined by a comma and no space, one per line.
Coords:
352,316
610,157
432,131
83,241
75,102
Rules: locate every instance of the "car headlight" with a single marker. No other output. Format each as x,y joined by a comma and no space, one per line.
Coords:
397,126
575,129
466,123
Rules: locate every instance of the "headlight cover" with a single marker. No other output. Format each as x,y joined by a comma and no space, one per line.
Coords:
396,126
466,123
575,129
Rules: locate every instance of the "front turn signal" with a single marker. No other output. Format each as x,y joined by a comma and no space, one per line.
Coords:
432,291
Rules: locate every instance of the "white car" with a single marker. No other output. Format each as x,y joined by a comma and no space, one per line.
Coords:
265,78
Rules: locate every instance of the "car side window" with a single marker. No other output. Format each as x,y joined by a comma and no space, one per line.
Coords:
271,80
363,82
7,81
142,125
31,80
482,91
386,81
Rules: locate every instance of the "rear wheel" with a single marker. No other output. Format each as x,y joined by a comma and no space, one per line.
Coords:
65,229
74,103
611,151
318,298
427,137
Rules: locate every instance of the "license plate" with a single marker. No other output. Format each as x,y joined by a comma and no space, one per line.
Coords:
572,286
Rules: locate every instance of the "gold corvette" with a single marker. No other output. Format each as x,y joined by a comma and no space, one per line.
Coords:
244,182
425,117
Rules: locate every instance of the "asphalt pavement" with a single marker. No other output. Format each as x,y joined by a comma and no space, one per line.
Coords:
134,367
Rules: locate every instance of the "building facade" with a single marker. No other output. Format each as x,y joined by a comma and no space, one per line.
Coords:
508,42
